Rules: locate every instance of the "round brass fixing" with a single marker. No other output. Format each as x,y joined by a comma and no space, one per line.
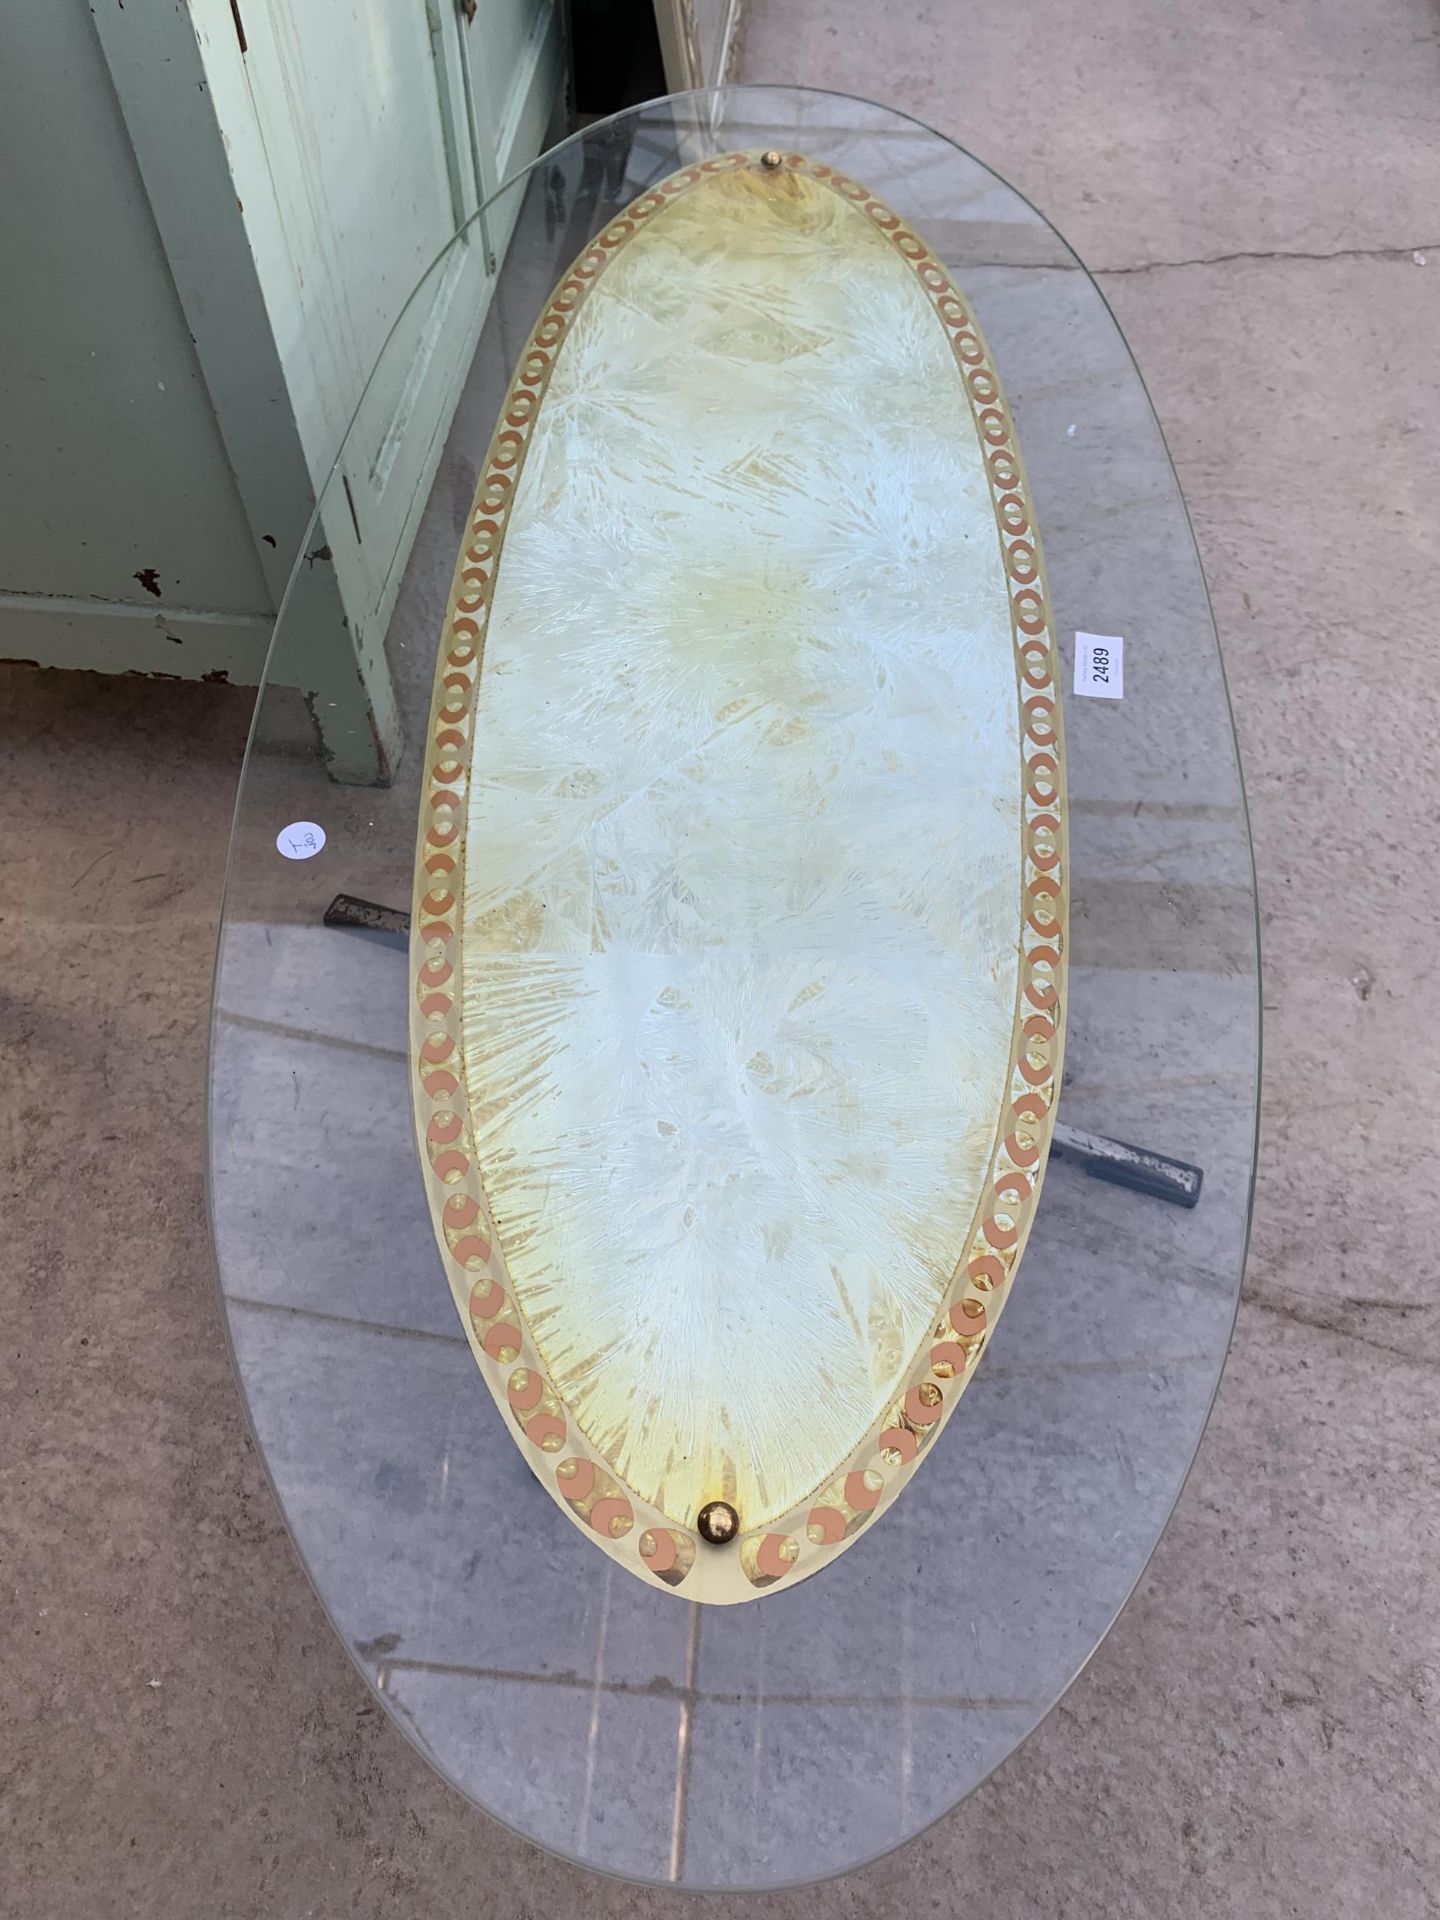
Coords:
717,1522
770,158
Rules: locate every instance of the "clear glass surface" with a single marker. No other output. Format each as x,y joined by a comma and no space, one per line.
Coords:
623,1727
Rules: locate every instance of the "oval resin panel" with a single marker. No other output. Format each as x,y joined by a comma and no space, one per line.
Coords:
740,922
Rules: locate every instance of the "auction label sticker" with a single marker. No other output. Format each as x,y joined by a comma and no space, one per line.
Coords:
1100,666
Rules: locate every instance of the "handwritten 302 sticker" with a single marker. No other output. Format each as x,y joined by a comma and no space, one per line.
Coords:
301,840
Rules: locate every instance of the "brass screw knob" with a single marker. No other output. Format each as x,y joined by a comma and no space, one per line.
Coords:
718,1522
770,159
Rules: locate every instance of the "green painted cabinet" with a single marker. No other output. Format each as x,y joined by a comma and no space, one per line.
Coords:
212,215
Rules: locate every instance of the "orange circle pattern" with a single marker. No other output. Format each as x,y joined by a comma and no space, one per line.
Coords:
639,1535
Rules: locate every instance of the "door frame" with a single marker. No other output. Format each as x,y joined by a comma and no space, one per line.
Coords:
681,50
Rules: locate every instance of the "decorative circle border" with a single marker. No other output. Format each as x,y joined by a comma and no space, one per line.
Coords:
638,1535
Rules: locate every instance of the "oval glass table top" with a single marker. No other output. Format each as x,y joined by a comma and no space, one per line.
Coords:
739,915
606,1716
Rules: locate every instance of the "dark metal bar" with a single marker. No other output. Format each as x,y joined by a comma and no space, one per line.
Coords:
1155,1174
364,916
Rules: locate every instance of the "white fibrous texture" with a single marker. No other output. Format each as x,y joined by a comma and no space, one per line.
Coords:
742,883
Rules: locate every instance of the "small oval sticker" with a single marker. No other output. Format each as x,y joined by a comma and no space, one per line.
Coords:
301,840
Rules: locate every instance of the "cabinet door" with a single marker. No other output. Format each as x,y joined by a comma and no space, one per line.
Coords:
511,50
361,135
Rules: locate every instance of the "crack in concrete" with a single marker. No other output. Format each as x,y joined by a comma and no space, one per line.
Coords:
661,1686
1337,1316
1278,253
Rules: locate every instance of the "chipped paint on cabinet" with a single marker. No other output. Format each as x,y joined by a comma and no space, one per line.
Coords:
262,186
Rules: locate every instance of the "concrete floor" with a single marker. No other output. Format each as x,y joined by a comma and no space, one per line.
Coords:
183,1735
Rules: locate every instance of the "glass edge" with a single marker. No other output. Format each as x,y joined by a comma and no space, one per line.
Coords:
867,1861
